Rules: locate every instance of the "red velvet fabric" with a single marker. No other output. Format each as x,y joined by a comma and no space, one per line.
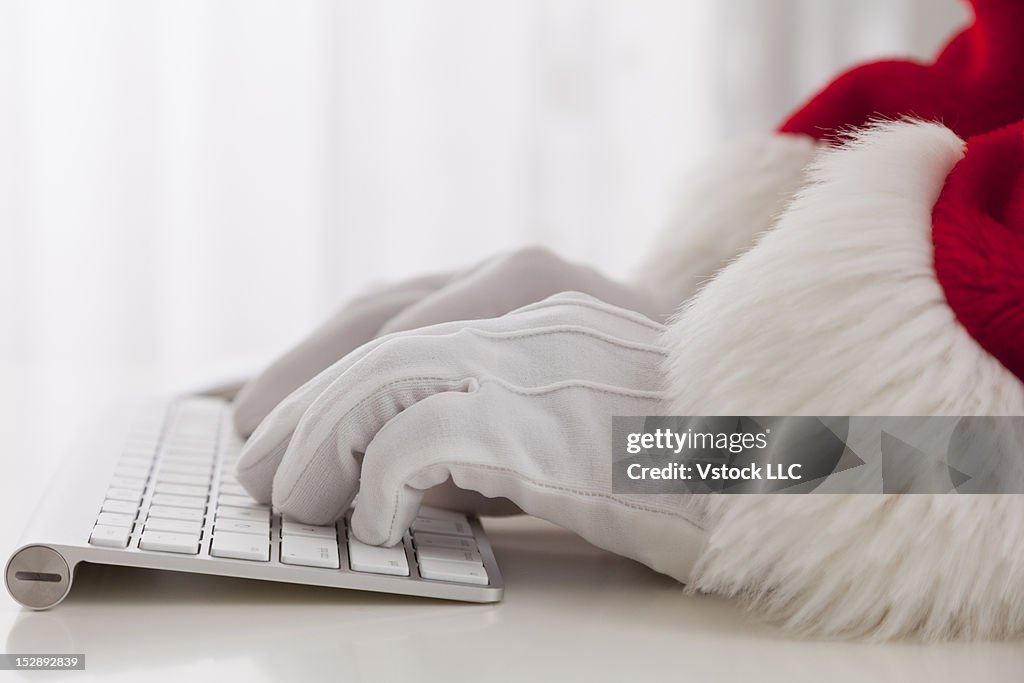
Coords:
975,85
978,233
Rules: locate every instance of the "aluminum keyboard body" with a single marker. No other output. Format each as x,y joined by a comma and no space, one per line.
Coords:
156,490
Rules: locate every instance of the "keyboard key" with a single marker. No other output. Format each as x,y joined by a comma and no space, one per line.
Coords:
438,513
186,544
128,482
429,552
459,572
310,552
296,529
451,527
181,490
130,495
139,452
115,519
240,546
110,536
168,500
177,526
247,514
240,502
139,463
182,464
161,512
240,526
130,471
233,489
423,540
120,506
182,468
187,479
378,560
202,450
199,448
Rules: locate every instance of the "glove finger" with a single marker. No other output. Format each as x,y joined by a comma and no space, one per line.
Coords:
352,327
408,457
319,472
266,447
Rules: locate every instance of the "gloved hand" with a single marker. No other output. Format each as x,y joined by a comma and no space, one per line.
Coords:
490,289
518,407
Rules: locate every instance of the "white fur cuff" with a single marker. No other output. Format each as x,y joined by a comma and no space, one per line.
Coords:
837,311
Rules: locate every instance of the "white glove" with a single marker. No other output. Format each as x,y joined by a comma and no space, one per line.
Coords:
490,289
518,407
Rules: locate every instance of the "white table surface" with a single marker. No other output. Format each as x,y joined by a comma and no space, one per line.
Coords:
571,612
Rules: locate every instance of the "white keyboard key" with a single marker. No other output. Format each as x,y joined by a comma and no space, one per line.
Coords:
131,471
453,527
127,482
168,500
296,529
130,495
233,489
240,502
423,540
438,513
428,552
240,526
183,464
187,459
459,572
248,514
377,560
159,511
201,449
177,526
178,478
180,490
120,506
197,470
310,552
110,536
139,449
187,544
240,546
115,519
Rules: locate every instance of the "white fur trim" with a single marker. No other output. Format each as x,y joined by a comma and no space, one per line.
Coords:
837,311
726,203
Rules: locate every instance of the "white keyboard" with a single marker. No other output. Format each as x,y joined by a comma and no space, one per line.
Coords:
166,497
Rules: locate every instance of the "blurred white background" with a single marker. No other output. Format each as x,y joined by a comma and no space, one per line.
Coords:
187,187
